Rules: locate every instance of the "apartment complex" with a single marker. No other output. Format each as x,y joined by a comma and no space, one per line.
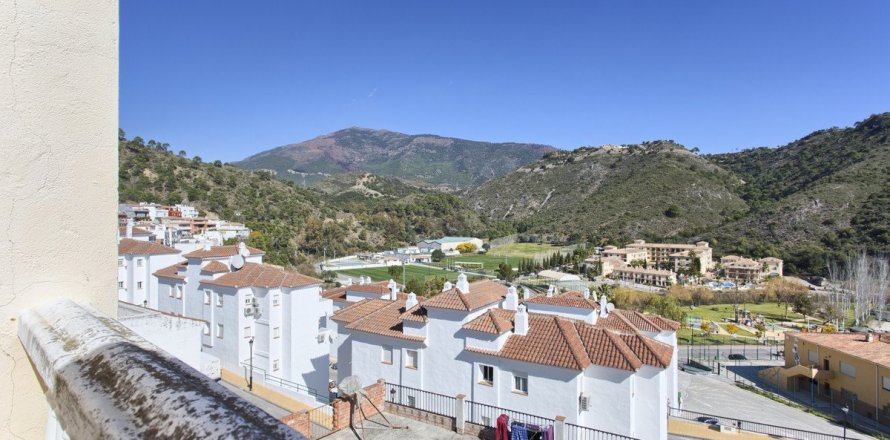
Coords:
747,270
851,369
254,313
137,261
559,354
673,255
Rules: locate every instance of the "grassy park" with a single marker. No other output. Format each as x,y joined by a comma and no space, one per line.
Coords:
770,311
381,273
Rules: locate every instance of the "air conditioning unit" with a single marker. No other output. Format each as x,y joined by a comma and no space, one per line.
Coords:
251,310
584,402
320,337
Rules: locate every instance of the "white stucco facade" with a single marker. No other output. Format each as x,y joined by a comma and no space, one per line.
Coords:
450,356
58,136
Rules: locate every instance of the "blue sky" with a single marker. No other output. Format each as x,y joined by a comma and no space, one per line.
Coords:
225,79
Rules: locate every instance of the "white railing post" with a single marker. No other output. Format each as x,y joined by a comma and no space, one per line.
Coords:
459,419
559,428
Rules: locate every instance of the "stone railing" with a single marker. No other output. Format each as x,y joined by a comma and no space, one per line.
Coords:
104,381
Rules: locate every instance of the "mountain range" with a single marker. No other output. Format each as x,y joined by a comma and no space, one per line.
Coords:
822,196
442,162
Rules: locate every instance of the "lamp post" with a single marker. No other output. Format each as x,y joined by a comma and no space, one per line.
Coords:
845,409
250,378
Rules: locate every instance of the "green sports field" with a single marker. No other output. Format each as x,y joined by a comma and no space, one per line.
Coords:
381,273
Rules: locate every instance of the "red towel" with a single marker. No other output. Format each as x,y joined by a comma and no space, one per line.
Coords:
501,432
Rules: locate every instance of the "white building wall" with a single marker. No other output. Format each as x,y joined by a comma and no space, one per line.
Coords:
309,357
610,408
650,403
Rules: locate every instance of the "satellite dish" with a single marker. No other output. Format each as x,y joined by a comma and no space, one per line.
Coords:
350,385
237,261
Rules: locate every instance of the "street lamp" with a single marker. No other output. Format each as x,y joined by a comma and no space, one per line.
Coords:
250,379
845,409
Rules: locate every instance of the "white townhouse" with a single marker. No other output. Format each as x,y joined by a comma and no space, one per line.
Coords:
137,260
559,354
240,300
351,293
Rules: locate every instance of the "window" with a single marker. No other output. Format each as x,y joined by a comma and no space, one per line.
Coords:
178,291
247,332
848,369
276,332
120,284
219,331
139,285
207,297
276,299
138,262
120,262
206,329
487,373
219,299
886,383
411,359
275,365
520,383
412,402
814,360
386,354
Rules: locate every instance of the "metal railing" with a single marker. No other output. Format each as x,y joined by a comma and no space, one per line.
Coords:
575,432
755,427
286,384
321,421
487,415
420,399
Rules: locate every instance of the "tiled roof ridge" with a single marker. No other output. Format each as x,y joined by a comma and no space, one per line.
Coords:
629,356
463,298
646,318
623,318
496,320
650,345
352,324
573,340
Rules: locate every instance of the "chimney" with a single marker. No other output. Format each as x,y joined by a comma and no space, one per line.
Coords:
462,284
348,282
586,293
526,294
394,292
520,321
411,301
869,337
129,228
242,249
391,284
447,286
604,309
550,290
206,245
512,300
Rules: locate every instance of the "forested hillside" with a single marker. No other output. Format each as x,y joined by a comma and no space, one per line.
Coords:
291,222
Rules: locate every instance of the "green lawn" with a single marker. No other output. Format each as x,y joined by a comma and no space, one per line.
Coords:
740,332
522,250
490,262
382,274
684,336
717,312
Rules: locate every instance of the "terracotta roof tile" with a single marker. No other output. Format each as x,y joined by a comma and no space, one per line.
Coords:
494,321
415,314
172,271
482,293
648,350
221,251
853,344
379,288
262,275
137,232
215,267
628,321
336,295
378,316
607,349
139,247
572,298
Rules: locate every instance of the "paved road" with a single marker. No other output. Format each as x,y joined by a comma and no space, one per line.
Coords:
710,395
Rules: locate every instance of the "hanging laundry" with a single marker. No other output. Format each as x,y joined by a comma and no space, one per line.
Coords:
548,433
501,432
518,432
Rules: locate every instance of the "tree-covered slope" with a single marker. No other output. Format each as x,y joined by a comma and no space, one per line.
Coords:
450,163
290,222
653,190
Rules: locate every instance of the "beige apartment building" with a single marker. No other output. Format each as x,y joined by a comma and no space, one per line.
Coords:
675,254
626,255
639,275
747,270
851,369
